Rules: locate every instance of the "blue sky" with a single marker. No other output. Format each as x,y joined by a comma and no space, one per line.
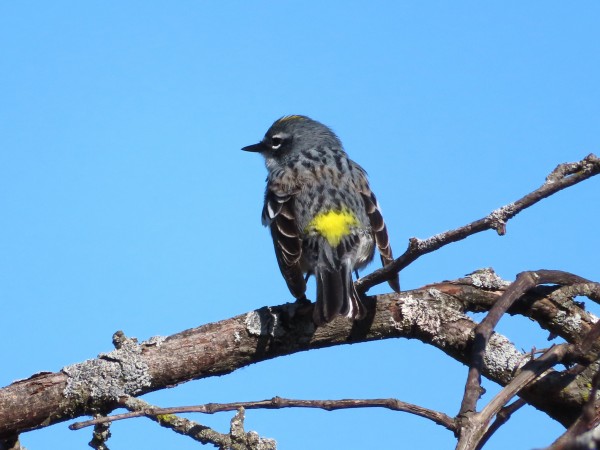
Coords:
126,203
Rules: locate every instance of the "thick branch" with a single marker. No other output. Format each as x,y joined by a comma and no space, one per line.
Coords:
222,347
547,305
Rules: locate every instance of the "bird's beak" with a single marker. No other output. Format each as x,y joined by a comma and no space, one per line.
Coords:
255,148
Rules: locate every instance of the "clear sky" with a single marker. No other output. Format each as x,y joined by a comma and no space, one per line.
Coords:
127,205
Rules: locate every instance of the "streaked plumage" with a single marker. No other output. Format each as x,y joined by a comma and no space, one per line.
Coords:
324,219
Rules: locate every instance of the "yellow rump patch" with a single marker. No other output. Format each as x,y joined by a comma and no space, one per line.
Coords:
333,225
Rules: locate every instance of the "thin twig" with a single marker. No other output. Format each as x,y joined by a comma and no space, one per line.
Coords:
563,176
237,437
180,425
278,403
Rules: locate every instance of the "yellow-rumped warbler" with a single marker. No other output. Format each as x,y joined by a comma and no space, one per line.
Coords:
324,219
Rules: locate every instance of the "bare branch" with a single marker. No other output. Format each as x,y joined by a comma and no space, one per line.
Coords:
475,425
552,307
237,438
563,176
524,282
279,403
427,314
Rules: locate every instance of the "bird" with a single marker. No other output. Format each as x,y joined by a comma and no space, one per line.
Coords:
324,219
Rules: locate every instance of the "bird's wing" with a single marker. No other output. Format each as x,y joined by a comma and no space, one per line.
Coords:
376,220
278,215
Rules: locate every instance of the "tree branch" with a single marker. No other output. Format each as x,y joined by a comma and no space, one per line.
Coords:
427,314
236,439
563,176
501,418
549,306
474,425
584,432
279,403
524,282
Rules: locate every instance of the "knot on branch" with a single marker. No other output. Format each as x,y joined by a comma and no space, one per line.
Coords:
589,164
497,218
263,322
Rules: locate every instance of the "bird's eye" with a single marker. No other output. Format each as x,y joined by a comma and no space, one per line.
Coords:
276,142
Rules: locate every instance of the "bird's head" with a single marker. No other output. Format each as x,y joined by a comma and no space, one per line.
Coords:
289,136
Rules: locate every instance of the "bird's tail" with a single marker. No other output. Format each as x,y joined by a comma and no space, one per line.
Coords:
336,295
